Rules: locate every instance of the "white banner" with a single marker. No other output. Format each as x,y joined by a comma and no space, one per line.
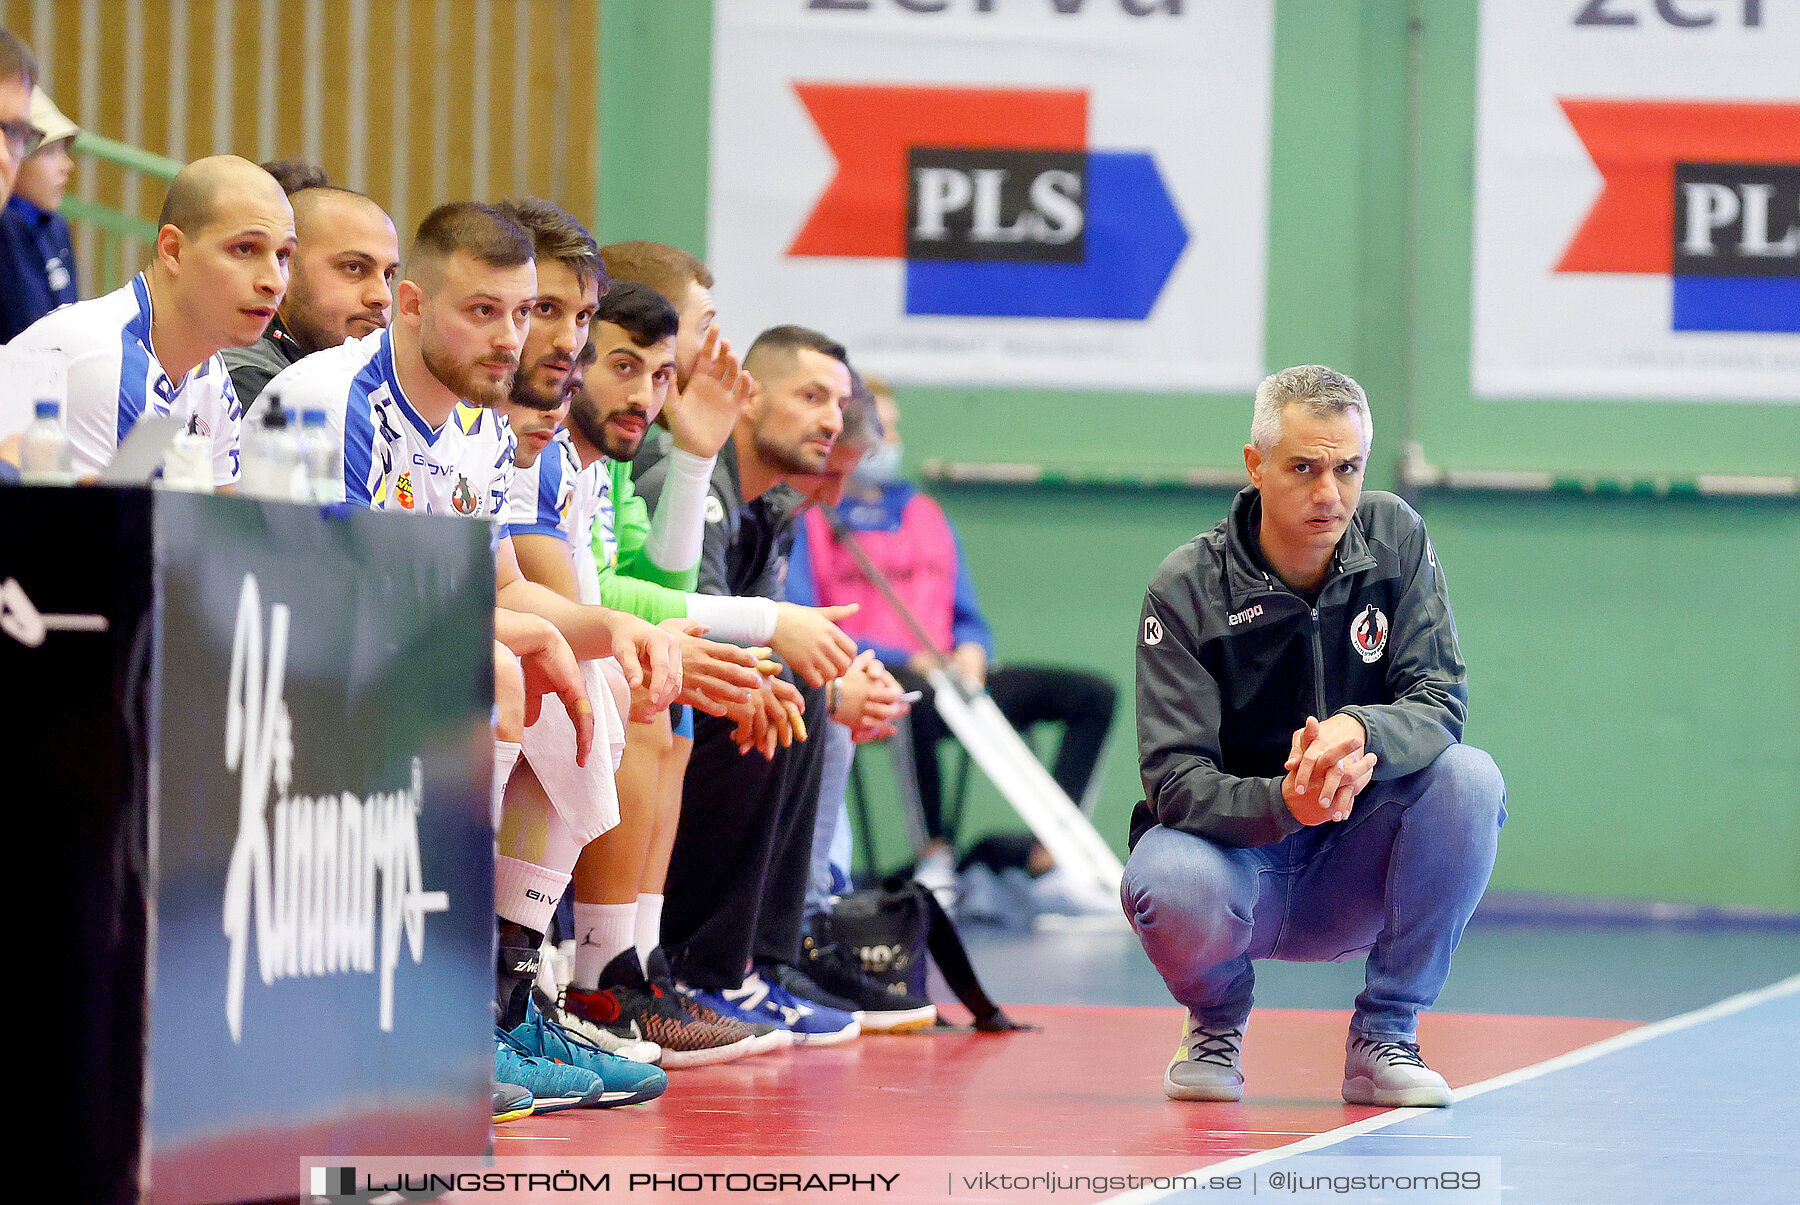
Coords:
998,192
1637,218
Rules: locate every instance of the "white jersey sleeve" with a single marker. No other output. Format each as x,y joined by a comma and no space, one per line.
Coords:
540,502
114,380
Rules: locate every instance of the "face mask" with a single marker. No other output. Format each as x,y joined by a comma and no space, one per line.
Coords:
880,465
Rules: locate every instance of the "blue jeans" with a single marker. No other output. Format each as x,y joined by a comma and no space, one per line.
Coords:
1399,879
830,867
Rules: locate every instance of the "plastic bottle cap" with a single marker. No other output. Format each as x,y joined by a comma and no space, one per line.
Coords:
49,408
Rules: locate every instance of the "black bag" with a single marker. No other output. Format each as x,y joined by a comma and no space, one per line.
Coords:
893,929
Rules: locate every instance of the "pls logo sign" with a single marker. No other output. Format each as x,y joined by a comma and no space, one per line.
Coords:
993,199
1707,193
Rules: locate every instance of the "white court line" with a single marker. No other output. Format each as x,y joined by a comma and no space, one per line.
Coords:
1584,1054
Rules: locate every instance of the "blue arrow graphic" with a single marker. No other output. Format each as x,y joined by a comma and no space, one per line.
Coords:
1134,236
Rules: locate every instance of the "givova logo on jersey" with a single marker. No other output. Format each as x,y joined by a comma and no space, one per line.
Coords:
1704,192
993,199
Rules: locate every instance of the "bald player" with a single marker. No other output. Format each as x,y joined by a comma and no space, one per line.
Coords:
225,237
341,286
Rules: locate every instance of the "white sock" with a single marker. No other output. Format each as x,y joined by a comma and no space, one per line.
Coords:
506,755
649,926
526,893
602,932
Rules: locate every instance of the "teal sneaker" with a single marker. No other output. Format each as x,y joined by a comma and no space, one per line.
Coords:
624,1081
550,1086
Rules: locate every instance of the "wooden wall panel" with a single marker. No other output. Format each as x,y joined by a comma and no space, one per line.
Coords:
415,102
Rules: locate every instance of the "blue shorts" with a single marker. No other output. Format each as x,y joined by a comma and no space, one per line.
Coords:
681,719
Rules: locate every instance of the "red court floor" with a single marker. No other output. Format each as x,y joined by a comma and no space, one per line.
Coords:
1088,1084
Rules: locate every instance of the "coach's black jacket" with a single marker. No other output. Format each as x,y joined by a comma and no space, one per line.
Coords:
1230,662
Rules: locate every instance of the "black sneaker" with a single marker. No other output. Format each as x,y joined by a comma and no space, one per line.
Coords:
625,996
882,1007
662,979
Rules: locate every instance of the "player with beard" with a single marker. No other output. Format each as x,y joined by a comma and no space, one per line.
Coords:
340,285
579,529
412,404
739,863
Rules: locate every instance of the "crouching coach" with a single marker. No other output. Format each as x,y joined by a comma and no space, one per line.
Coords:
1300,701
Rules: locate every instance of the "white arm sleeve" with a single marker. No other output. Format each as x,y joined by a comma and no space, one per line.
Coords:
676,528
738,620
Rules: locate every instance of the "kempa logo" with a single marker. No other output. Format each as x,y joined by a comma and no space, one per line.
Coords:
316,872
1244,616
1153,630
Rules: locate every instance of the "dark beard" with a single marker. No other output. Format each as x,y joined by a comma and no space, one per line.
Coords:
788,460
463,381
524,393
595,431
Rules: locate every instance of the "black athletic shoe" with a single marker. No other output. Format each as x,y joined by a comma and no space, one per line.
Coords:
881,1007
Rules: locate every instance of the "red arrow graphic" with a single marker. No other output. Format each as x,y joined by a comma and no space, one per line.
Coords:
1636,144
868,127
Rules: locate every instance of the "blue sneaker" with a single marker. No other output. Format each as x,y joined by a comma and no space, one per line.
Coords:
549,1086
812,1024
623,1081
512,1102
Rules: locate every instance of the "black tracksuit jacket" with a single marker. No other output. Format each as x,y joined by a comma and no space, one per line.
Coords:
1231,661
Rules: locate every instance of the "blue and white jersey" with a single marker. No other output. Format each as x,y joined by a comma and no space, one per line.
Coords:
115,380
393,460
557,497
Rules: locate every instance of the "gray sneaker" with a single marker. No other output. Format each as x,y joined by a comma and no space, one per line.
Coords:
1208,1065
1392,1075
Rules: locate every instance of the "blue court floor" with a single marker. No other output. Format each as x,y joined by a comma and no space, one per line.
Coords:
1700,1103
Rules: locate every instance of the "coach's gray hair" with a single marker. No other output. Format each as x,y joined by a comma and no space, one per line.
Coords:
1316,388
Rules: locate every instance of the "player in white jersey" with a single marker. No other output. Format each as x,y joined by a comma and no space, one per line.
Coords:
152,347
413,404
394,458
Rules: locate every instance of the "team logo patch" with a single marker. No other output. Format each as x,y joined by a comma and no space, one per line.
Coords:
1368,635
403,493
715,509
462,497
1153,630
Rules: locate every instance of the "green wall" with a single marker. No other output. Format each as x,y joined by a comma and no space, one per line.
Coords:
1635,662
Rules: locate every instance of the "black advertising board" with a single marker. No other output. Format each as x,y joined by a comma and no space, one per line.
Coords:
267,728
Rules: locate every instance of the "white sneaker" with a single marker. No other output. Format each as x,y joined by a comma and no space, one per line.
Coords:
1392,1075
1208,1065
936,872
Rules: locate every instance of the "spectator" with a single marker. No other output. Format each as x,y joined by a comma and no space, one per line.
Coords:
18,137
36,258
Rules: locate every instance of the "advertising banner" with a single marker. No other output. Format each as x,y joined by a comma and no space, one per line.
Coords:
1637,220
1046,193
257,737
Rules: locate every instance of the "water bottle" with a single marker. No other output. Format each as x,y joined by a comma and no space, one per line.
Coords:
323,457
188,464
272,467
45,457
